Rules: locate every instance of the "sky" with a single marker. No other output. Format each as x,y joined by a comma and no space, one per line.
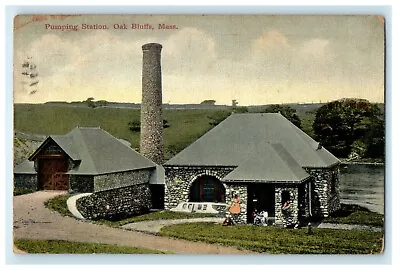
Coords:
254,59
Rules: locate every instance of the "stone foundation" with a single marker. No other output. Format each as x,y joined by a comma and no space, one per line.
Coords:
121,179
81,183
29,181
116,203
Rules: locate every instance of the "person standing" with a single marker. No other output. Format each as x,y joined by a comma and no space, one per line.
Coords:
286,213
234,209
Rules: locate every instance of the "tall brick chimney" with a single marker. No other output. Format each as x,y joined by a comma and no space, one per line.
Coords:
151,136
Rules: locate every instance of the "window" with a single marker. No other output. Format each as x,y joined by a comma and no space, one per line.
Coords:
207,189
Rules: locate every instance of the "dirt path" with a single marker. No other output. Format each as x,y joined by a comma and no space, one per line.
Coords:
32,220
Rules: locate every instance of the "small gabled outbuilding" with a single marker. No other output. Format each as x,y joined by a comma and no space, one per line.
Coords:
263,158
90,160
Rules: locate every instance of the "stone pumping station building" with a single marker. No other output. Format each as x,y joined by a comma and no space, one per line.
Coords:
265,160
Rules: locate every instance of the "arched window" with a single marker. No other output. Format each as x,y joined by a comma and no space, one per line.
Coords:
207,189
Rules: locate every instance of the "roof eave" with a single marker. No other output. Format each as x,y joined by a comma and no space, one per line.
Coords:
102,173
324,167
300,181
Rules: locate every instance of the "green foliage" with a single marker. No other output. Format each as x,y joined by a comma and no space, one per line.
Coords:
217,117
165,123
354,214
374,139
339,124
90,102
59,204
69,247
208,102
279,241
287,111
240,109
22,191
134,126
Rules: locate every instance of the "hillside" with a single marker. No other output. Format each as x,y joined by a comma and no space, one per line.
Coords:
185,126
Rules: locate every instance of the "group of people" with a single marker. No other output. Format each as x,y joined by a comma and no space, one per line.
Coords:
259,218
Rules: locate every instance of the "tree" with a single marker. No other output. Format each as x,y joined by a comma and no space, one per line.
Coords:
135,125
287,111
208,102
90,102
350,126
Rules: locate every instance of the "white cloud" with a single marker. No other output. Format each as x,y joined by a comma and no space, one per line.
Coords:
269,40
189,51
317,48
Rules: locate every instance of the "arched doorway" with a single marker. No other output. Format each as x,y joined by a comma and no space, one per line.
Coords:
207,189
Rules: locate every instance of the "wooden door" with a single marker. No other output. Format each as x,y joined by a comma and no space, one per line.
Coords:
52,174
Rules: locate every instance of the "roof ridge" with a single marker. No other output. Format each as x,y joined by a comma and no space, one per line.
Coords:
286,155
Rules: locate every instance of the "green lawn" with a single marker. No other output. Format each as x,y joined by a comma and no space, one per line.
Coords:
69,247
154,216
279,241
59,204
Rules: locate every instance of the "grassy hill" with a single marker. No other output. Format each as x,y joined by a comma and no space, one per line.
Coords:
185,126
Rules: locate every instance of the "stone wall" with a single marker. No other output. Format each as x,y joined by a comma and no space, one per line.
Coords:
294,205
325,188
22,180
121,179
241,191
178,181
116,203
81,183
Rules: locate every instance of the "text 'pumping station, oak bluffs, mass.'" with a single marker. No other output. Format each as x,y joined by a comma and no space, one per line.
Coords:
116,26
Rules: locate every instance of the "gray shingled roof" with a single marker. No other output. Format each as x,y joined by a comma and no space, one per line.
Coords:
241,134
26,167
99,152
279,166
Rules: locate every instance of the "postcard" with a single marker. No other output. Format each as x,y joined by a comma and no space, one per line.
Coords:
199,134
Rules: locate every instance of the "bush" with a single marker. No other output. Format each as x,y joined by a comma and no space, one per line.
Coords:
357,215
22,191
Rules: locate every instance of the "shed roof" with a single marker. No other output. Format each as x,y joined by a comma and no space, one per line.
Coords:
241,134
26,167
98,152
278,166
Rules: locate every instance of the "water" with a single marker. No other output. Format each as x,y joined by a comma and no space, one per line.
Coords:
363,185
